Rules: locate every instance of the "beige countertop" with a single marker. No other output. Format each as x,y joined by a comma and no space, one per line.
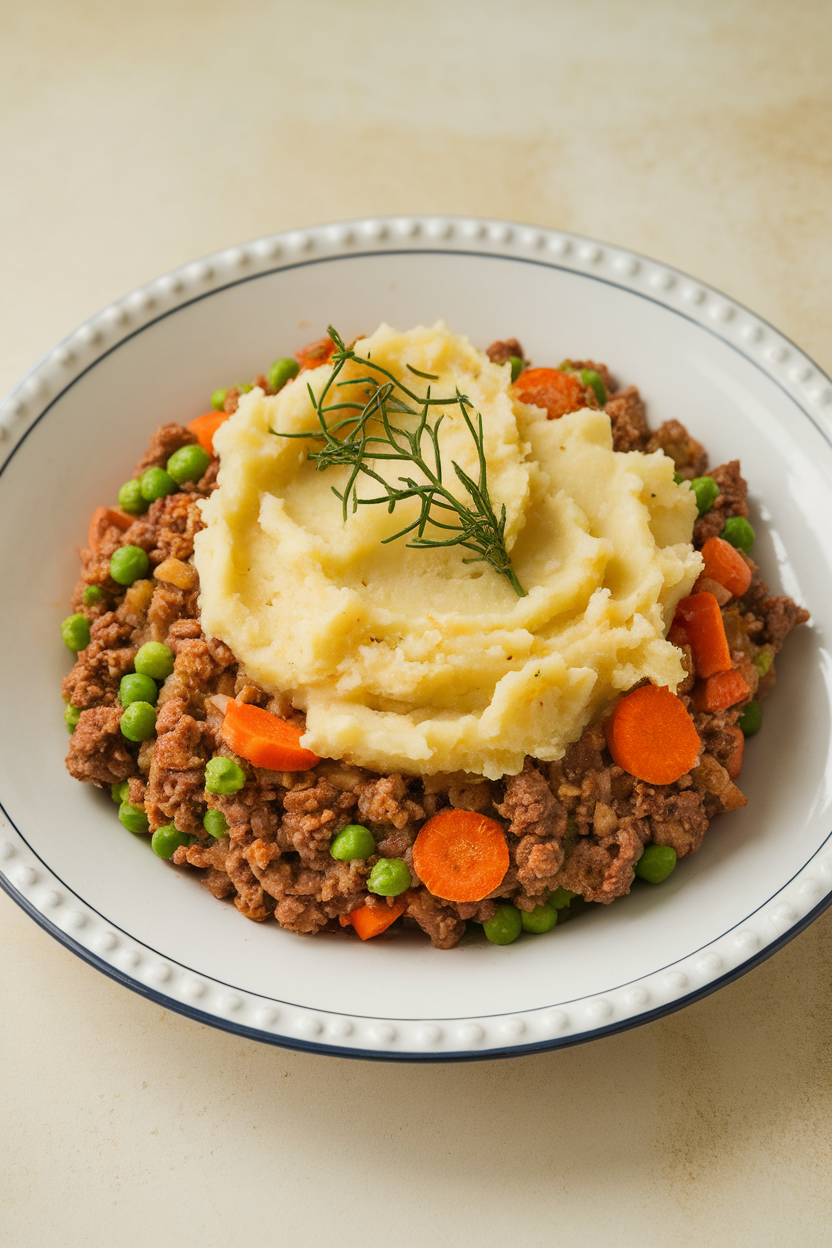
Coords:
136,137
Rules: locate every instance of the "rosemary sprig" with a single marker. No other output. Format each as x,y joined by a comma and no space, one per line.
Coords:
368,435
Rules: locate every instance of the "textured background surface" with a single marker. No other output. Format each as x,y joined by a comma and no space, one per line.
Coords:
135,137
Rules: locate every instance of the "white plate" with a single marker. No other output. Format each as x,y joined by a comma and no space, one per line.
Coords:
72,431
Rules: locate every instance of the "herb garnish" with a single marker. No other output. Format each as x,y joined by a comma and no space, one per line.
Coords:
371,436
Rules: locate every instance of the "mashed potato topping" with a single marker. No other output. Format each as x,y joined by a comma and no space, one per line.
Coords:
415,660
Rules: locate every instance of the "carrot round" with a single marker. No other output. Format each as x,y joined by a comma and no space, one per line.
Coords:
551,389
315,353
700,617
205,427
265,740
725,565
104,518
651,735
460,855
720,691
374,917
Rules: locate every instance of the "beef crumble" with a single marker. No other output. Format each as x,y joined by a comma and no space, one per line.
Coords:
580,823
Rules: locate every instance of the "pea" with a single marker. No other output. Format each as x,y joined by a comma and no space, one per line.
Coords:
215,823
542,919
224,776
133,817
739,533
656,863
389,877
138,721
352,842
129,564
590,378
134,687
561,897
71,716
119,792
154,659
281,371
763,661
706,491
166,840
75,630
517,366
678,480
188,463
156,483
93,594
131,499
751,720
506,925
218,400
243,387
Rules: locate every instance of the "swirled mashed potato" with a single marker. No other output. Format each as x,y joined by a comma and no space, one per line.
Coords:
414,660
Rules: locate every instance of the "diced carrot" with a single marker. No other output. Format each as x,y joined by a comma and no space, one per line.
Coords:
104,518
374,917
734,763
205,427
725,564
700,617
720,691
551,389
264,739
651,735
460,855
315,353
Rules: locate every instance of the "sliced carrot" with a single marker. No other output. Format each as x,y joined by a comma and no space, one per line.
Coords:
315,353
206,426
551,389
264,739
720,691
651,735
700,617
104,518
734,763
725,564
461,855
374,917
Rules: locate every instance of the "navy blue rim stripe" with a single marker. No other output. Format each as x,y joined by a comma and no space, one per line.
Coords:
240,1029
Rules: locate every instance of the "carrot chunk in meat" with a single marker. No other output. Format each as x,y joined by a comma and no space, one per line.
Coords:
205,427
264,739
374,917
551,389
720,691
460,855
315,353
103,519
651,735
701,619
725,565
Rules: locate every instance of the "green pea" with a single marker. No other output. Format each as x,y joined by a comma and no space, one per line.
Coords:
71,716
129,564
679,480
542,919
156,483
389,877
243,387
751,720
656,863
138,721
93,594
352,842
120,791
166,840
131,499
763,661
281,371
739,533
561,897
517,366
188,463
506,925
224,776
218,400
590,378
706,491
154,659
134,687
75,630
215,823
133,817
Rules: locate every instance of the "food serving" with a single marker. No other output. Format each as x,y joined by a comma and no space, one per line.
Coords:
448,638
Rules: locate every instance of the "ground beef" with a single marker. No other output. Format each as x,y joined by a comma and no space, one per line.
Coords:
580,823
